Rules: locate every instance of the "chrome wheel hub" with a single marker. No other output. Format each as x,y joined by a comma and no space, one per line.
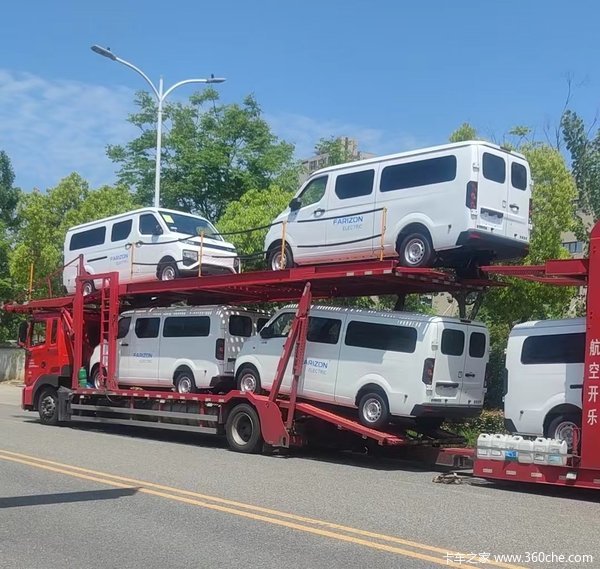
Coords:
372,410
415,251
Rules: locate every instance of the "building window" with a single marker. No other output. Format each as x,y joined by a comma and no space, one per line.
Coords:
573,247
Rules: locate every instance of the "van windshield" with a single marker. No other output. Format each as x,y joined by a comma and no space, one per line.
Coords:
189,225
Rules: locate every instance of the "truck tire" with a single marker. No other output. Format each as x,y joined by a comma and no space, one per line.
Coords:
373,410
48,406
243,429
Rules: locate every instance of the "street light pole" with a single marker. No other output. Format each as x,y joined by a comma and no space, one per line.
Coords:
160,97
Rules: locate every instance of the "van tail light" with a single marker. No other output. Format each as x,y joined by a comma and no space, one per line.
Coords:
486,377
428,370
472,195
220,349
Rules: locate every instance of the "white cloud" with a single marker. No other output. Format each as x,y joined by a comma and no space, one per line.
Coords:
305,132
50,128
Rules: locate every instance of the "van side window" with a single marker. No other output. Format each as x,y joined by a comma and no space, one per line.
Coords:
240,326
494,168
260,323
323,330
381,337
518,176
418,173
355,184
554,349
147,327
124,324
88,238
453,342
314,191
121,230
477,345
148,224
280,327
186,327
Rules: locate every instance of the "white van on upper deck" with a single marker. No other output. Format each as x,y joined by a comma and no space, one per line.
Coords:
145,244
454,202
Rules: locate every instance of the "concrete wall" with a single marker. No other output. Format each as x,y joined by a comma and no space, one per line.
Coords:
12,362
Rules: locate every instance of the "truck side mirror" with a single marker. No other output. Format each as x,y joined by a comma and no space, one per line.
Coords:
295,204
23,328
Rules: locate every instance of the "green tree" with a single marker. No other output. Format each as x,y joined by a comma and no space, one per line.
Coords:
464,132
256,208
585,162
213,153
337,149
45,219
503,307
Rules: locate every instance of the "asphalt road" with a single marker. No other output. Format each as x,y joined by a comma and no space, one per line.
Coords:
97,498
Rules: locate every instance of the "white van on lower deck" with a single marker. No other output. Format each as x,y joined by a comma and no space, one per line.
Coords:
146,244
544,378
383,363
452,203
187,348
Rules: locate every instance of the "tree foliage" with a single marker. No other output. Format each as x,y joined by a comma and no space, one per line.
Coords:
464,132
46,217
212,154
256,208
337,150
585,162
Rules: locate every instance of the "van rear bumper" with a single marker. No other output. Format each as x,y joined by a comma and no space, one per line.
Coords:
440,411
501,247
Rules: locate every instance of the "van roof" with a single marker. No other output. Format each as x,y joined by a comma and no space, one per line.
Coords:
183,310
565,322
420,151
415,316
128,213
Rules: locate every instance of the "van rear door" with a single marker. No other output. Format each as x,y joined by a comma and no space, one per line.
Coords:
492,191
519,194
476,359
448,372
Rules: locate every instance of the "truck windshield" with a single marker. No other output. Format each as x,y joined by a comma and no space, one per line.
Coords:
189,224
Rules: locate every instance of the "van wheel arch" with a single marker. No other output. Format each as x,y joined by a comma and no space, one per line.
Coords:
166,261
183,371
416,229
565,409
369,388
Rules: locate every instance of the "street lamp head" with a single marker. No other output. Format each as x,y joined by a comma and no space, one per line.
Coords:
104,51
213,79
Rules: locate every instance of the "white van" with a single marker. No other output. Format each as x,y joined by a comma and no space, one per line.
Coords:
544,378
149,243
383,363
188,348
455,203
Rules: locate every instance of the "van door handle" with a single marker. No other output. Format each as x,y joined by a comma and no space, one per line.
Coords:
576,386
447,383
124,344
318,212
469,375
514,206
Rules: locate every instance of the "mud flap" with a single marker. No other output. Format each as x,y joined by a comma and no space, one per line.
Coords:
64,404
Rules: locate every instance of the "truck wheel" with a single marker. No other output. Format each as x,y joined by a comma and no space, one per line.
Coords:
167,272
185,382
415,250
276,261
243,429
248,380
563,427
48,406
373,410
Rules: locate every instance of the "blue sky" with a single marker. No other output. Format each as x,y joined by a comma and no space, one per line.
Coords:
395,75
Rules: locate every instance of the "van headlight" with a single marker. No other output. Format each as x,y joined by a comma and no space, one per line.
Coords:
189,257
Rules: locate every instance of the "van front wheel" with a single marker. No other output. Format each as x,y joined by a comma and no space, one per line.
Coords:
563,427
373,410
167,272
415,251
277,261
